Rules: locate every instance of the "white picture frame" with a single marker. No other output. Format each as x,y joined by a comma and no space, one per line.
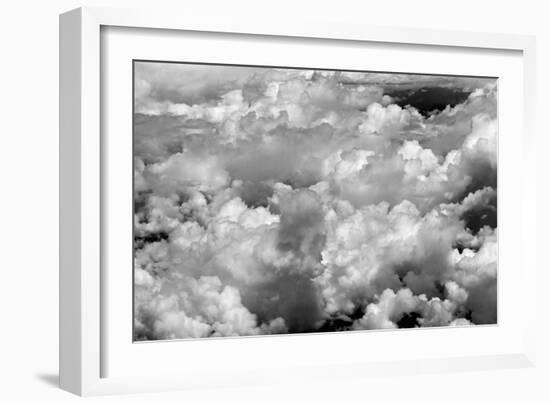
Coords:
83,171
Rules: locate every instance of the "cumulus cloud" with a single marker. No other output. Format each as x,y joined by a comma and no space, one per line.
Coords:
282,201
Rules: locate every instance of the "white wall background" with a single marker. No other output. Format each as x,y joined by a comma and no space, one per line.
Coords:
29,201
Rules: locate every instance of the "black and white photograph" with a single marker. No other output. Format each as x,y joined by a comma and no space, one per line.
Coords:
283,200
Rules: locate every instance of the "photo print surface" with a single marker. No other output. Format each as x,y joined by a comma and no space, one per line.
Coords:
286,200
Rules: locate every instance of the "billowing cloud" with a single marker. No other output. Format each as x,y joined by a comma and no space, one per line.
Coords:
281,201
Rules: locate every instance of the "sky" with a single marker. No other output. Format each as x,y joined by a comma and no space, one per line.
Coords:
273,201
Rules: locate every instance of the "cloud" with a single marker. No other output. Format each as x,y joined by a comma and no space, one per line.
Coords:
199,308
177,83
388,310
276,200
186,170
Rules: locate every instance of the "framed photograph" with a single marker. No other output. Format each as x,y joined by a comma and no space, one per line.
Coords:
245,203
